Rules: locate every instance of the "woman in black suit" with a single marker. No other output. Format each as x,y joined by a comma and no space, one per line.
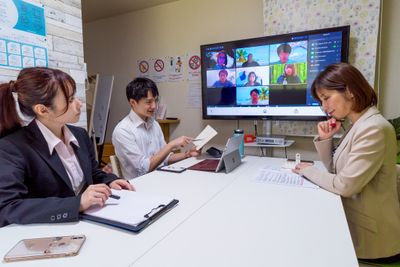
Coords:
48,169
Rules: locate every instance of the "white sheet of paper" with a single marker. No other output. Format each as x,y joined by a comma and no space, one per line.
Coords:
282,177
206,135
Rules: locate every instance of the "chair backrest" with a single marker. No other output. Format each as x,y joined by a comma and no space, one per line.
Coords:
116,166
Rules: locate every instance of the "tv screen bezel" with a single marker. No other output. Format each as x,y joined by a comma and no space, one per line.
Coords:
265,40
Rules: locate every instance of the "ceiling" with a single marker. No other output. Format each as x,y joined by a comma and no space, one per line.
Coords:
99,9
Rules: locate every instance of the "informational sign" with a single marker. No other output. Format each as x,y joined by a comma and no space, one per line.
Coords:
194,63
158,72
23,40
176,68
158,65
193,100
143,68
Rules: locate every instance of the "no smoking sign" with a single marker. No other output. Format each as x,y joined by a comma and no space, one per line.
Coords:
159,65
194,62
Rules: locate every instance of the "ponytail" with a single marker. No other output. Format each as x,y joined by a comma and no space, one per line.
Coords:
35,85
9,118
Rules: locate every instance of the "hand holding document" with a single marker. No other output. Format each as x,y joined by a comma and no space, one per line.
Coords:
206,135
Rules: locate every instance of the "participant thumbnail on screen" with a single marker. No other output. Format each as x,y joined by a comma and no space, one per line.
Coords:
221,78
252,76
253,95
291,52
252,56
220,58
289,73
221,97
294,94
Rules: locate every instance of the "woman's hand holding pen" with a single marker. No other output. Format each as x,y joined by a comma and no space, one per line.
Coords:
121,184
328,128
95,194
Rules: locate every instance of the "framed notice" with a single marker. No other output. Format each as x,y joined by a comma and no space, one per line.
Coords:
23,40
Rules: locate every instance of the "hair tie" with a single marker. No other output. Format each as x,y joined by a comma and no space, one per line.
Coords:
12,86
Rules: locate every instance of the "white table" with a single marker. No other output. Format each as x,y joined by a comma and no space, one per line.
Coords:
221,220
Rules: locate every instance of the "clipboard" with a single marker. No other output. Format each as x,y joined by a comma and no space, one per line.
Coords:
132,212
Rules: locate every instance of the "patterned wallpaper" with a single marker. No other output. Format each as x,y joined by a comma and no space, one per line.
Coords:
284,16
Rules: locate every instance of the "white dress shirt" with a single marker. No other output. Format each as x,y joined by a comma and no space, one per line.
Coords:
66,154
135,142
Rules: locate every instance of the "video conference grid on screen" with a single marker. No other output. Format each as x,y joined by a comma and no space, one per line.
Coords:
271,79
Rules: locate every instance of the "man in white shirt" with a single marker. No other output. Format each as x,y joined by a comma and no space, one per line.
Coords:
138,140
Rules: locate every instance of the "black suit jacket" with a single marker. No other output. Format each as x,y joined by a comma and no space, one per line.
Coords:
34,186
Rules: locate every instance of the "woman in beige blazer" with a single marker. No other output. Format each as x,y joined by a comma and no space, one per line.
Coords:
362,168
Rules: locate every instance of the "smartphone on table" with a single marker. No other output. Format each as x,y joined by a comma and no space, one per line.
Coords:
45,247
172,168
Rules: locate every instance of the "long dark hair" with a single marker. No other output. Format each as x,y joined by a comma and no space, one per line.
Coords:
33,86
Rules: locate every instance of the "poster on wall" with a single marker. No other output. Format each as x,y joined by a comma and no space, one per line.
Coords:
193,100
23,40
176,68
143,68
194,67
158,71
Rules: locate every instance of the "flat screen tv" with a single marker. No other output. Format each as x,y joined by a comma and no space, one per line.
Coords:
269,77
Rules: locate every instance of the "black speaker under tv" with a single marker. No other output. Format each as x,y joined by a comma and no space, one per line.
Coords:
269,77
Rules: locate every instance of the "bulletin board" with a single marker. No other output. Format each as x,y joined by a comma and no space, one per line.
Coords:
23,41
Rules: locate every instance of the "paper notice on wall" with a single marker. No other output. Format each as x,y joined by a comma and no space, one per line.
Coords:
176,68
193,100
158,70
23,40
142,68
194,67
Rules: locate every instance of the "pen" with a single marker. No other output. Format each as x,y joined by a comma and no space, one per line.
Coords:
198,139
114,196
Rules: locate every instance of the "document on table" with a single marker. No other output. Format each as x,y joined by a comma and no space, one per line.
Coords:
273,175
206,135
132,211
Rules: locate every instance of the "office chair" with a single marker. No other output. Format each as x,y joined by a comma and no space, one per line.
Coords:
116,166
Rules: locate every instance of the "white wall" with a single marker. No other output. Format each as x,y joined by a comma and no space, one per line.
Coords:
113,46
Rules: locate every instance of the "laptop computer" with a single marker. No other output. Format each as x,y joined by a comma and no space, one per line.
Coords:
229,160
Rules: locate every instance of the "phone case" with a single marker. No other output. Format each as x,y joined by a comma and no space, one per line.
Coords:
170,168
46,247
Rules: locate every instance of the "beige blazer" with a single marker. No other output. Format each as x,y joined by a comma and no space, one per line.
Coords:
363,172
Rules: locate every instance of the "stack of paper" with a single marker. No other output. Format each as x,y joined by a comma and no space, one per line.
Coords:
276,176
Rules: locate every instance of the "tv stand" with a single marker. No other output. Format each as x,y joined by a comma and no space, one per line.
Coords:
269,146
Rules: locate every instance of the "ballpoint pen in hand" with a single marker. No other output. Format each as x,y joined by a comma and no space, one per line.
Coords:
114,196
